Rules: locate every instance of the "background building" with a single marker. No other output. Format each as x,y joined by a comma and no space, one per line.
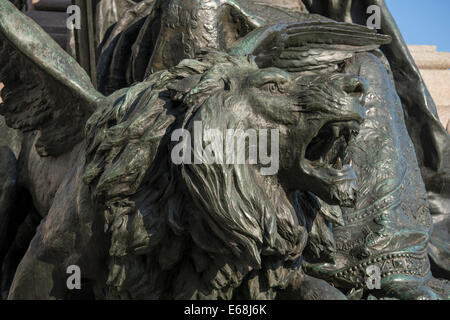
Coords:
434,67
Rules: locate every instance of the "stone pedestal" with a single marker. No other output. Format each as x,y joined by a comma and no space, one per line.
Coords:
434,67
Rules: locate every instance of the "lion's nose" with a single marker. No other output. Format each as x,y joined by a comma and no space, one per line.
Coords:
357,86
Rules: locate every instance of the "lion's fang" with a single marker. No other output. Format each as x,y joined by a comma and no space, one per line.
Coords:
338,164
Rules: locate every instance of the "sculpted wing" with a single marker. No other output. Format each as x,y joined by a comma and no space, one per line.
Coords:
45,88
309,46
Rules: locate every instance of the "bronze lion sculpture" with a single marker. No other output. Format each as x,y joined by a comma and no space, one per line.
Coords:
214,230
196,230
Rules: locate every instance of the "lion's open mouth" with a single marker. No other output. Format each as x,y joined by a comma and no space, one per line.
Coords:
329,147
326,159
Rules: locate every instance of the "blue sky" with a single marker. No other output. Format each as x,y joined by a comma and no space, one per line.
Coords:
423,21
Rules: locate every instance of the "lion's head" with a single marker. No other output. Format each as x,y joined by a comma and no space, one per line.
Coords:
211,229
316,118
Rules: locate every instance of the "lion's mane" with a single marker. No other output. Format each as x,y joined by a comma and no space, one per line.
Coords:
187,231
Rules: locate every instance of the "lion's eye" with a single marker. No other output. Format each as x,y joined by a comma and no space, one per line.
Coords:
272,87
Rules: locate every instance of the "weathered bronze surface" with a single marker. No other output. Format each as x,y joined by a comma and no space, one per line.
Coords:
363,158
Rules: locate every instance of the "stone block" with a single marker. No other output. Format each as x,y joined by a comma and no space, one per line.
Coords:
434,67
444,116
438,83
427,57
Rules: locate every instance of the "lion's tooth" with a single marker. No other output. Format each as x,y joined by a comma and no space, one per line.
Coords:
338,164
